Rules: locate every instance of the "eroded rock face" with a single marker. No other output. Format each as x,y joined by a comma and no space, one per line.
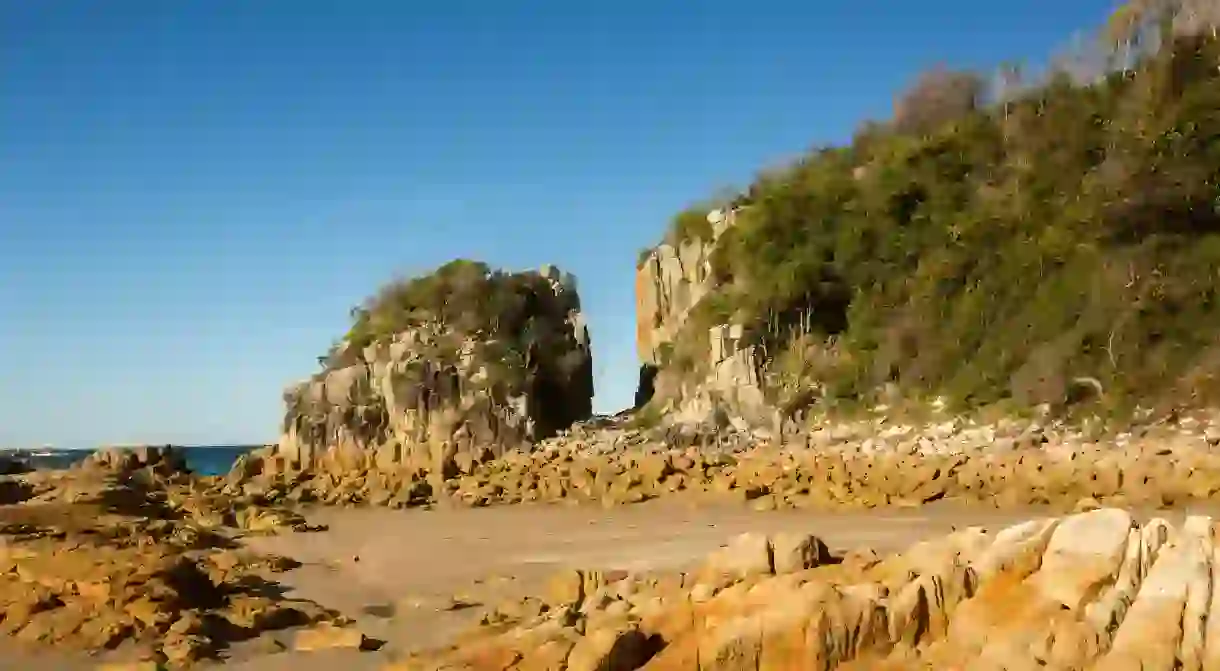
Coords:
1097,590
431,392
726,389
670,282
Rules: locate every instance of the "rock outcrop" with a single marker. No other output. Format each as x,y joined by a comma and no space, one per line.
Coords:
669,282
1095,590
1007,464
125,556
477,382
724,384
163,459
724,389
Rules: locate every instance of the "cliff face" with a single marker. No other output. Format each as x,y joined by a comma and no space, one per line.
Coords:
724,384
427,393
667,285
726,388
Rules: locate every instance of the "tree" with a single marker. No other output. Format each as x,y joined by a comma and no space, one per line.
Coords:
1197,17
1135,28
1008,84
1083,63
937,97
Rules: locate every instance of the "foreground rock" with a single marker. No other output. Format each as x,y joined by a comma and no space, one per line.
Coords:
128,555
1094,590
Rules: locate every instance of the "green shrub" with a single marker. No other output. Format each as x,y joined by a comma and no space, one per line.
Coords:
464,298
995,255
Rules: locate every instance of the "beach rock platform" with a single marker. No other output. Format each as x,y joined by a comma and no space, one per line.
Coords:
825,470
146,565
125,556
1094,590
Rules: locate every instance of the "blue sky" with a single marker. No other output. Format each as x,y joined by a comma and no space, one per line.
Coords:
193,194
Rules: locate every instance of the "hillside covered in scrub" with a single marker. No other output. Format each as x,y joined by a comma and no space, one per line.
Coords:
983,246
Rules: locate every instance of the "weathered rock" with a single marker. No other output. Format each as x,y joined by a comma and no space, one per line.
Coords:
746,555
1085,552
104,558
164,459
797,552
614,649
670,281
1093,590
440,389
329,637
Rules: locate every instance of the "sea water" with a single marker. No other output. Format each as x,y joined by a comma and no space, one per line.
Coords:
201,459
213,459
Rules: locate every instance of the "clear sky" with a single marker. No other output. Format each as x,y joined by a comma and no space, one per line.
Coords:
193,194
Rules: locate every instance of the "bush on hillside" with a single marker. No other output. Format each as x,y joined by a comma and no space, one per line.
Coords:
937,97
991,254
463,297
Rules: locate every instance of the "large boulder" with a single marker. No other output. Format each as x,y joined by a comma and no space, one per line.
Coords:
465,361
166,460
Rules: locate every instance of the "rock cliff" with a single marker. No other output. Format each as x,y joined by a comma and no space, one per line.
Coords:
671,279
721,382
465,361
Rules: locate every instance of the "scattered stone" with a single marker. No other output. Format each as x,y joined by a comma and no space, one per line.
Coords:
327,637
266,644
382,610
458,603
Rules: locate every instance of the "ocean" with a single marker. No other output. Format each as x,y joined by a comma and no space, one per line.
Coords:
201,459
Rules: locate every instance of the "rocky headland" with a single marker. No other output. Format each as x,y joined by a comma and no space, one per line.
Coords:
462,364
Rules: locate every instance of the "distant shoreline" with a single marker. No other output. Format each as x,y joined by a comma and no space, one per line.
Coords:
231,446
200,459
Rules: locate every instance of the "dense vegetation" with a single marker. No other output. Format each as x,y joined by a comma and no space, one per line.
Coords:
462,298
999,251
